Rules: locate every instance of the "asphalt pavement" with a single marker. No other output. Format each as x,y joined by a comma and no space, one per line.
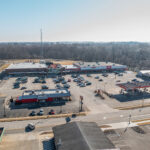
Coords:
101,119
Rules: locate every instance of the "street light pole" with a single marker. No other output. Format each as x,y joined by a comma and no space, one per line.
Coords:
81,103
129,118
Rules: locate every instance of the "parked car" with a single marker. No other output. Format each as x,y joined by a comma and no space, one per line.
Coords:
82,85
100,79
105,75
23,88
74,75
41,112
86,81
120,74
75,80
58,86
66,86
43,81
69,80
88,75
118,81
63,82
33,113
79,83
134,80
56,81
97,77
89,83
44,87
51,112
16,86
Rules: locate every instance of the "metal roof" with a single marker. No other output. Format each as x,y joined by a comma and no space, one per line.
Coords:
45,93
144,71
69,66
99,65
134,85
26,66
96,64
81,136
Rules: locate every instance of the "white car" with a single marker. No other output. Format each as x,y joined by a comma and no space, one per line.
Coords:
31,126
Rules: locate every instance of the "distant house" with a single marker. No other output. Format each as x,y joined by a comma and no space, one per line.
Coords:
81,136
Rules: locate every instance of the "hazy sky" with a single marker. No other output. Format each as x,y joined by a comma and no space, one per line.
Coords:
75,20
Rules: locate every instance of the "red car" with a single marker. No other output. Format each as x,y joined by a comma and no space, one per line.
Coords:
69,80
51,112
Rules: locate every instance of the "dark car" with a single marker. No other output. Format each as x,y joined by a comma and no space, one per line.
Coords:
88,83
134,80
56,81
100,79
31,126
58,86
23,88
33,113
44,87
43,81
51,112
66,86
63,82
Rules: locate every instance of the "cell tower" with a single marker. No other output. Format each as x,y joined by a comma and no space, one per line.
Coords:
41,44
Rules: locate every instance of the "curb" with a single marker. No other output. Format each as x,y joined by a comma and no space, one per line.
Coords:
132,107
41,117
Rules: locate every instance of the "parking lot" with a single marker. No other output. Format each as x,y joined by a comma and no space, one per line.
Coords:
91,102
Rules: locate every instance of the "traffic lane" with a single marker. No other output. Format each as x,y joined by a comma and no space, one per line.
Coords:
101,119
41,127
2,108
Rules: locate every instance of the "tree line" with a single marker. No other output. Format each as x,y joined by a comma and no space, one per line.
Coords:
133,54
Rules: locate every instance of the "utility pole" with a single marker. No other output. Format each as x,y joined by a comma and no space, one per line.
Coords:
60,109
129,118
81,104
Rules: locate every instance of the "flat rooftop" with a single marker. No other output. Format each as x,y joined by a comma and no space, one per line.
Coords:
69,66
96,64
145,71
46,91
134,85
26,66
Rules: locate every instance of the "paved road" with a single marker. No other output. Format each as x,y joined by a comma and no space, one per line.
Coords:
100,119
2,107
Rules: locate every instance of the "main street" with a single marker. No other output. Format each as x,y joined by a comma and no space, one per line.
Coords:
101,119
